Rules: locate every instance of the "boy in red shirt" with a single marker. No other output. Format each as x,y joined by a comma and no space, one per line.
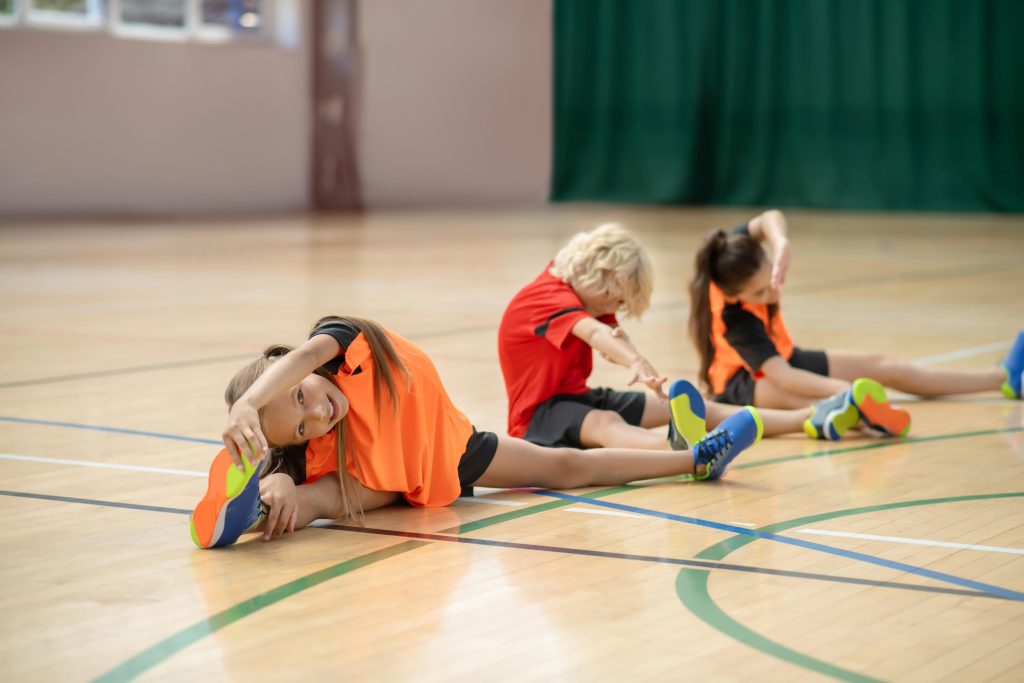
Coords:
546,342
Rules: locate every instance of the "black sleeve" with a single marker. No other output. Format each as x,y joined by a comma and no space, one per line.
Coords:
746,333
741,230
344,333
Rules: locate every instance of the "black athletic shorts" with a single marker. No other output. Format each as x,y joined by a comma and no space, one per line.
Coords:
557,421
480,450
739,390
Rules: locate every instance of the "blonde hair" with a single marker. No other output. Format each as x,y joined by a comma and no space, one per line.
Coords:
607,261
291,460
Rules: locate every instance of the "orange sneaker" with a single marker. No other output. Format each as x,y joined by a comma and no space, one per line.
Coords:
231,505
875,410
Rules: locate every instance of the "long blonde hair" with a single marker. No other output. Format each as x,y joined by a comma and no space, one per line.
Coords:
607,261
291,459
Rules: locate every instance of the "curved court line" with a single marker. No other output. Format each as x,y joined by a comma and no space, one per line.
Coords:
692,585
536,509
800,543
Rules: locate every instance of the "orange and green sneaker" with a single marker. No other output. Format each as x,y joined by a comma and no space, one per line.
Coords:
231,505
874,408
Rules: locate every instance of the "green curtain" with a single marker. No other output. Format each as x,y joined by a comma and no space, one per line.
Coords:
880,104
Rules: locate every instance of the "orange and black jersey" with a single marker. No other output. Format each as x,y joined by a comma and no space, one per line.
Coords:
744,336
416,451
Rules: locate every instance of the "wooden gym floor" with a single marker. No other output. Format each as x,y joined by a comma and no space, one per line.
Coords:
896,560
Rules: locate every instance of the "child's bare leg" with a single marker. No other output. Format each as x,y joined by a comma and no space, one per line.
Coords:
521,463
768,394
606,428
910,378
775,422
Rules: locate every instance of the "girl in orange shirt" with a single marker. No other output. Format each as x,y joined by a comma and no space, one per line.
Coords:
747,356
372,422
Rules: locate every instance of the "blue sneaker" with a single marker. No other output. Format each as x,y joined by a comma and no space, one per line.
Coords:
739,431
687,422
231,505
1014,366
831,417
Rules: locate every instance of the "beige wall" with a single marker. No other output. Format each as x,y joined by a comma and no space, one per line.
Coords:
456,101
455,109
95,124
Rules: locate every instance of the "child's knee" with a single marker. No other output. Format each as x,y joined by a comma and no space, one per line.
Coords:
570,468
598,423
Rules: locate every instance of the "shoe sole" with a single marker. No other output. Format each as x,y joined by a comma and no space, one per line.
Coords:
870,398
226,484
836,424
688,411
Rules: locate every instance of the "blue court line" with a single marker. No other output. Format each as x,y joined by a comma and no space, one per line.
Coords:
112,430
90,501
700,564
798,542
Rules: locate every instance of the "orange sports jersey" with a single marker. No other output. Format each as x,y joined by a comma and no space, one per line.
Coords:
416,452
727,361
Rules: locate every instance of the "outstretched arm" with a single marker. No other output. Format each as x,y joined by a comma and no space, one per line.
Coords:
243,427
617,348
771,227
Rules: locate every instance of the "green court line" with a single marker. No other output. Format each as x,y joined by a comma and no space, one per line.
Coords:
692,585
175,643
167,647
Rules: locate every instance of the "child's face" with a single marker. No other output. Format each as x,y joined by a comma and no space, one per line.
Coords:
600,304
758,289
308,410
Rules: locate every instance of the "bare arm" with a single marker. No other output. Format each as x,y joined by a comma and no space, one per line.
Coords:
618,349
243,426
798,381
771,227
293,507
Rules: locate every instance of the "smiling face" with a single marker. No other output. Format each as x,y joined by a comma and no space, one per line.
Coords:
758,289
306,411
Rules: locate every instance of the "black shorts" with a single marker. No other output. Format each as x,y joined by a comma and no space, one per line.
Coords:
557,421
480,450
739,390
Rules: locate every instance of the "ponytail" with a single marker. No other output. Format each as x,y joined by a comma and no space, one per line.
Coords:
728,261
700,301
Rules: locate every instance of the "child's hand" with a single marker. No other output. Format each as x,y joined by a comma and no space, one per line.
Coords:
780,250
277,491
243,434
642,371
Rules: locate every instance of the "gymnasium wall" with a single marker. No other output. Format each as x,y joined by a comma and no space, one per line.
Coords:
456,102
94,124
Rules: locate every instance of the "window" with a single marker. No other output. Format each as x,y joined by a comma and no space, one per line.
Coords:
206,20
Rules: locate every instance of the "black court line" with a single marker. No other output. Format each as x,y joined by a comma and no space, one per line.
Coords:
699,564
123,371
206,361
100,503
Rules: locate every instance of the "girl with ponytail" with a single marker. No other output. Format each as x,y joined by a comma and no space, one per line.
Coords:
747,356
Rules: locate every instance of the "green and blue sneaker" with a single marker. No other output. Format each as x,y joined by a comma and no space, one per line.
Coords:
739,431
831,417
1014,366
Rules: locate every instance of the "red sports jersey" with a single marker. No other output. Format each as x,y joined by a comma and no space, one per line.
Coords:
540,357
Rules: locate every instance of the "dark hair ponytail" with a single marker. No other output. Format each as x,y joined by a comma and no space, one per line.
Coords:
728,261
